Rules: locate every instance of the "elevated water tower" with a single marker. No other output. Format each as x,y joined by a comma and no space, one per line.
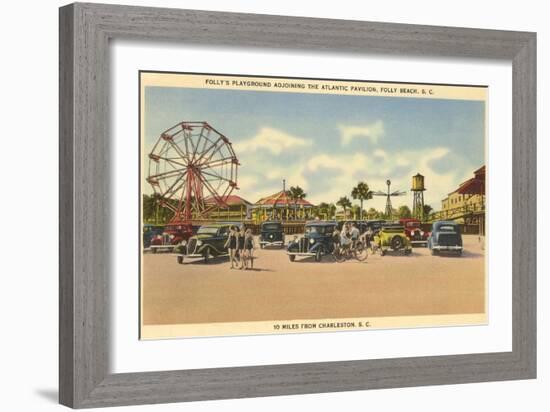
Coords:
418,196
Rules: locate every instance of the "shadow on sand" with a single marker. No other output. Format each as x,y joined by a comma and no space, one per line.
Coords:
396,253
465,255
211,261
311,259
222,260
255,270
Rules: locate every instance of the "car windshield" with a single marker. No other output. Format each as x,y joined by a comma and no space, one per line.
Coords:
207,230
447,228
271,226
318,229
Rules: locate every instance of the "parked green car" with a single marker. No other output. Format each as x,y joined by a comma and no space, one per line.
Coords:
392,238
207,243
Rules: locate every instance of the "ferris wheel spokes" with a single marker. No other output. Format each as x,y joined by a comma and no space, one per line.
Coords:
190,162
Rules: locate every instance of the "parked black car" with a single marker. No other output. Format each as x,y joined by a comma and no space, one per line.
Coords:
445,237
272,234
317,241
208,242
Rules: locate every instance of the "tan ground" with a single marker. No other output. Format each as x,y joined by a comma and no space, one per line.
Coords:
419,284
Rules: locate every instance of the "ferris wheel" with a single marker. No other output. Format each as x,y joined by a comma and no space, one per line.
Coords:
192,170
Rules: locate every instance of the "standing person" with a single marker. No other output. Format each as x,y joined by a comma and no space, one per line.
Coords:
368,237
355,233
240,246
231,245
249,249
345,236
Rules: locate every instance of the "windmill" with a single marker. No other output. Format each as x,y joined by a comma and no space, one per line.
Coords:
389,194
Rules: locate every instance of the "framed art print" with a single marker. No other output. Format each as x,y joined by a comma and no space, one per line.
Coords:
262,205
252,219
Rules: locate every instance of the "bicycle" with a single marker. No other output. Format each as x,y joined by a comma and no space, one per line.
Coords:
357,250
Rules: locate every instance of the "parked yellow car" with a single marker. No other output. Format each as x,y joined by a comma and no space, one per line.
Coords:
392,237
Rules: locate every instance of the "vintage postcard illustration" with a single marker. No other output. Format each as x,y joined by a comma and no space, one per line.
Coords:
288,205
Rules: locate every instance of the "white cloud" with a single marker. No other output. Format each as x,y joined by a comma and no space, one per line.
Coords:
327,176
273,140
372,132
342,171
247,181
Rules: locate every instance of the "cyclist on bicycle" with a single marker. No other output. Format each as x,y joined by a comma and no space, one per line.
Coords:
345,236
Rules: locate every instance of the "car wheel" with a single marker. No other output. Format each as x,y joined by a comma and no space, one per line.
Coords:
206,255
459,252
434,252
382,252
318,255
292,257
397,242
180,260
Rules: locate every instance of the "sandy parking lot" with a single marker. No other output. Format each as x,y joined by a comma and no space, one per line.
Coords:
419,284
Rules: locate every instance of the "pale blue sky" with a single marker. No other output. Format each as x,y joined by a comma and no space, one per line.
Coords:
327,143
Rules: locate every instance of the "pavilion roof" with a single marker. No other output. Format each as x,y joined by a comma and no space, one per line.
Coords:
281,199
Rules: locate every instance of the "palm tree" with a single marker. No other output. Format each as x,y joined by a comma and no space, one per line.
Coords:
323,209
404,212
372,213
356,211
296,194
361,192
344,202
427,210
159,212
331,210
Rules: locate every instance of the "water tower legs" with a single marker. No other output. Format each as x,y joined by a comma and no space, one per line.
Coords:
418,205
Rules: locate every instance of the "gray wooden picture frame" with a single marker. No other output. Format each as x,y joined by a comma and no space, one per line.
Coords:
85,32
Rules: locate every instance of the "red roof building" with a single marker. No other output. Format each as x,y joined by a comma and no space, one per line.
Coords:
282,200
475,185
467,199
231,200
281,206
